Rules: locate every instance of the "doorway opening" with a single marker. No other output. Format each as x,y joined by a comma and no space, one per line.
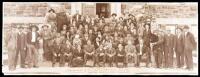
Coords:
103,10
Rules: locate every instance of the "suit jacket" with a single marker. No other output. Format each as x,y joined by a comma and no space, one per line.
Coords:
98,51
75,17
29,37
130,49
122,52
146,37
159,42
178,43
97,45
168,41
89,48
21,41
77,53
11,40
110,51
189,42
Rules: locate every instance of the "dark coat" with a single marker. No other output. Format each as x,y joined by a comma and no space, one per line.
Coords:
21,41
178,43
189,42
169,41
29,37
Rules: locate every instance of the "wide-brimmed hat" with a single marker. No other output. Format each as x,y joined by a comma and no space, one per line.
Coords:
34,26
52,10
114,14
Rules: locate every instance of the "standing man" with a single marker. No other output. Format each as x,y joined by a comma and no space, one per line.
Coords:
45,34
32,40
157,44
178,45
168,49
21,47
11,44
189,45
147,49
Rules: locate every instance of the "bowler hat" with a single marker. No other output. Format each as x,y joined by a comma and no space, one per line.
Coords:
34,26
114,14
52,10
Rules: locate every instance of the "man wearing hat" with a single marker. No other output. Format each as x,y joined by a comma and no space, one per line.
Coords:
113,18
178,47
45,35
21,47
32,40
189,45
11,44
168,48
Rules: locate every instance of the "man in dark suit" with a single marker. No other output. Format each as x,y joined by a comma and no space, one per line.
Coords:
157,44
178,45
89,51
33,40
21,47
76,17
120,55
100,55
110,53
168,49
189,45
147,49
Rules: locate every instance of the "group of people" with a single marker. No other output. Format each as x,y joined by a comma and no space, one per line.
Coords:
75,40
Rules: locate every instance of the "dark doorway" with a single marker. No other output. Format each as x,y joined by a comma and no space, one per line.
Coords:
103,10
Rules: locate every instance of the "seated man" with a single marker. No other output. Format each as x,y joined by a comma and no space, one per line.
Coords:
77,59
110,52
56,49
66,53
120,55
131,52
89,51
100,55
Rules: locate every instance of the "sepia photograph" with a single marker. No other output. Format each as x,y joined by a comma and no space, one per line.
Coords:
100,38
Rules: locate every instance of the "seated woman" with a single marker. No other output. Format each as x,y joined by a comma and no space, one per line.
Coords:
78,54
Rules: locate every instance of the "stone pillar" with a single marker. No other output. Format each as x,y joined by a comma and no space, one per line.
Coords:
116,8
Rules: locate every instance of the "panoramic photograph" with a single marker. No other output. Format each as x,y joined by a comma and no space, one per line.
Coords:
100,38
